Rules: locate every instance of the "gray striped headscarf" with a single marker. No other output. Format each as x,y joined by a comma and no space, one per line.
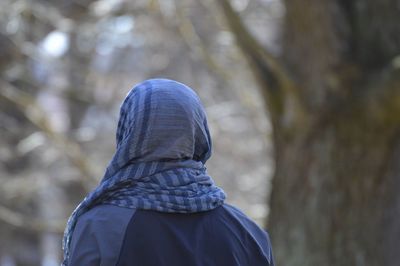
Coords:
163,142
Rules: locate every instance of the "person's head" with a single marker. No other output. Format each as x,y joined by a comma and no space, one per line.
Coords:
163,120
162,144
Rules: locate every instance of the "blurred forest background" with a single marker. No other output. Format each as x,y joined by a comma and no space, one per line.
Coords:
303,100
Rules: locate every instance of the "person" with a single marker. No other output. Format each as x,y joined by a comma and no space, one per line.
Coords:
156,205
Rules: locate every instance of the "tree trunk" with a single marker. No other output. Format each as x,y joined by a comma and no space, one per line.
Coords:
335,198
334,102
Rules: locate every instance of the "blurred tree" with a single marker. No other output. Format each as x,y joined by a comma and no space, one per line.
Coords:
333,97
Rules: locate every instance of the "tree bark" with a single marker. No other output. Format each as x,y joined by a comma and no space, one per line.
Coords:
335,197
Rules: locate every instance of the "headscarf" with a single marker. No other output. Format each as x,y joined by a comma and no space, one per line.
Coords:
163,143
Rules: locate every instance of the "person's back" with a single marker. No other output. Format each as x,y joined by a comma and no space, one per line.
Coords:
112,235
156,204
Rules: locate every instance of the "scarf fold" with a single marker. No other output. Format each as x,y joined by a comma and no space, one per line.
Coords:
163,142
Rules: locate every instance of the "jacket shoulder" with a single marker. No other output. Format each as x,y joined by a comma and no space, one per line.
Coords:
98,235
255,234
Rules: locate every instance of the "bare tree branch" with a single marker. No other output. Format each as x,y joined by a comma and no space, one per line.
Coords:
19,220
187,31
193,40
275,83
269,72
36,116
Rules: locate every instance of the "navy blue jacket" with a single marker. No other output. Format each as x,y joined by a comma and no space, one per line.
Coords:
108,235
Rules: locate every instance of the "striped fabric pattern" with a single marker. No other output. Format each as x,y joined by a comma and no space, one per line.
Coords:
163,143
